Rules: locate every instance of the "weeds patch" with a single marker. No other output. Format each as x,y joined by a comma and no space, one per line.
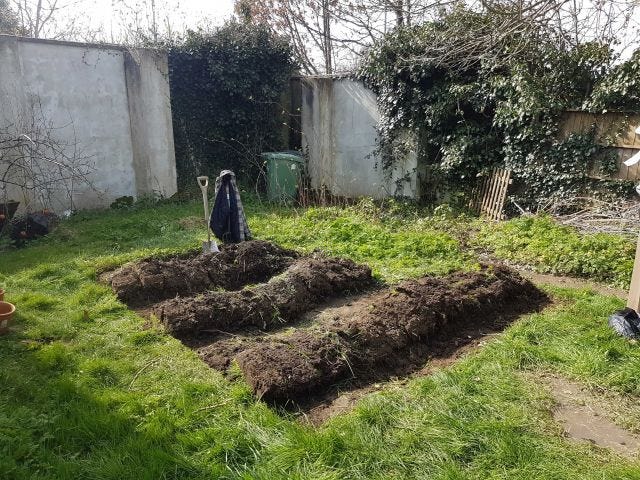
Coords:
542,244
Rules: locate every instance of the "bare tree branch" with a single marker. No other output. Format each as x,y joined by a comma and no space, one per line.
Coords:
41,164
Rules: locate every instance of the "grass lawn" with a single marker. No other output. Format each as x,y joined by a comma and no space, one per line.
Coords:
87,391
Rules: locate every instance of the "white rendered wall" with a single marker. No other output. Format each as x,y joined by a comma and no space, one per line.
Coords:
339,132
112,105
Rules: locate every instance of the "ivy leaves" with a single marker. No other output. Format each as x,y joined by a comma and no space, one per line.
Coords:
619,90
226,90
498,108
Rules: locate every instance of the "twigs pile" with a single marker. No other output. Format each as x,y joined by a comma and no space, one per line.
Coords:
598,216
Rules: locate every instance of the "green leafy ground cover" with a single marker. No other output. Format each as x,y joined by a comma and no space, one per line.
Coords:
542,244
88,391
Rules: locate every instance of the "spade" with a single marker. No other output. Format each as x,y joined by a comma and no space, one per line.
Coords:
209,245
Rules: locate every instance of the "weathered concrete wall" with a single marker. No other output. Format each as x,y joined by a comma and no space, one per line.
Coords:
110,104
339,131
146,74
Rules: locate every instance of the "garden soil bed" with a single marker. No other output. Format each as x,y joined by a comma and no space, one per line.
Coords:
306,283
374,337
151,280
301,328
438,352
388,334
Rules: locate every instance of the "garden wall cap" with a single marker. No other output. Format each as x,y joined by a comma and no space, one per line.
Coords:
103,46
332,76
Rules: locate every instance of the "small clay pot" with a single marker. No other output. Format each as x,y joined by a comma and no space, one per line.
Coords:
6,314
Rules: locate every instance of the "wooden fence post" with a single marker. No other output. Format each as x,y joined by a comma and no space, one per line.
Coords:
634,290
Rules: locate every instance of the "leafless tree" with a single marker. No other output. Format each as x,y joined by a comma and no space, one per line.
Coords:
41,162
607,21
327,33
463,43
9,23
54,19
144,22
307,23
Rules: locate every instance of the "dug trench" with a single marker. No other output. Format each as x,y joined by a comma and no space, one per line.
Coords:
306,283
300,337
389,333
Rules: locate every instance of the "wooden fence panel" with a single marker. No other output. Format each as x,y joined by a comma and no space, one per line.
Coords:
490,194
613,128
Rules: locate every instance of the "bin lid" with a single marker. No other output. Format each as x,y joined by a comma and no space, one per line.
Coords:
291,156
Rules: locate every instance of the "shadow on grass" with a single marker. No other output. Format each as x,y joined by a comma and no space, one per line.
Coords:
60,428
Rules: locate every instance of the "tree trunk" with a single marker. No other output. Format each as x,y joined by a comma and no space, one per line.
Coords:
328,50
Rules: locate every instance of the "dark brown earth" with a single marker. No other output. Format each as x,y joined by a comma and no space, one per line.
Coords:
386,335
302,286
151,280
437,351
298,336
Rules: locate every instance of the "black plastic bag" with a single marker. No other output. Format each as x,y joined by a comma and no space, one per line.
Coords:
626,323
32,225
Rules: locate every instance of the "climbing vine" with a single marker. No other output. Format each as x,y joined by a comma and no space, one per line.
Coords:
620,90
227,96
473,108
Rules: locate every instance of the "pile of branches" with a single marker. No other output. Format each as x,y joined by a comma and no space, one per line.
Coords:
600,216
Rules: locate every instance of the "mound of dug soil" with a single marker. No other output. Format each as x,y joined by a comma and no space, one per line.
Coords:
384,333
301,287
236,265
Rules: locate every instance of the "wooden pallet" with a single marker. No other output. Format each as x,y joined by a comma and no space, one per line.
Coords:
490,194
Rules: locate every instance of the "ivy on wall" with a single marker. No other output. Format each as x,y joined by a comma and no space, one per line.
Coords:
227,91
500,106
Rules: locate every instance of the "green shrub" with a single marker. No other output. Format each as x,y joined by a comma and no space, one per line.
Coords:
226,98
474,105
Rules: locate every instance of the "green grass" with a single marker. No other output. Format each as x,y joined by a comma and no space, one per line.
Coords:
540,243
396,248
86,391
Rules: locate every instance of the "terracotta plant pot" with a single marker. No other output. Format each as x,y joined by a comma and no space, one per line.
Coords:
6,314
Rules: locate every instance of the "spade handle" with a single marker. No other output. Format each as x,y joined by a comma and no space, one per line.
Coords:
203,183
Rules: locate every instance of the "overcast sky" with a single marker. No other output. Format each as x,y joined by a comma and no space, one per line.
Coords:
182,14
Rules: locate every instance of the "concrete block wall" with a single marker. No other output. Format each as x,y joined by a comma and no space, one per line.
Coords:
110,102
339,132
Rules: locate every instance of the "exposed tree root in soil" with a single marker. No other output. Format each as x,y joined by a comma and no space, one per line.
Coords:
394,327
152,280
305,284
